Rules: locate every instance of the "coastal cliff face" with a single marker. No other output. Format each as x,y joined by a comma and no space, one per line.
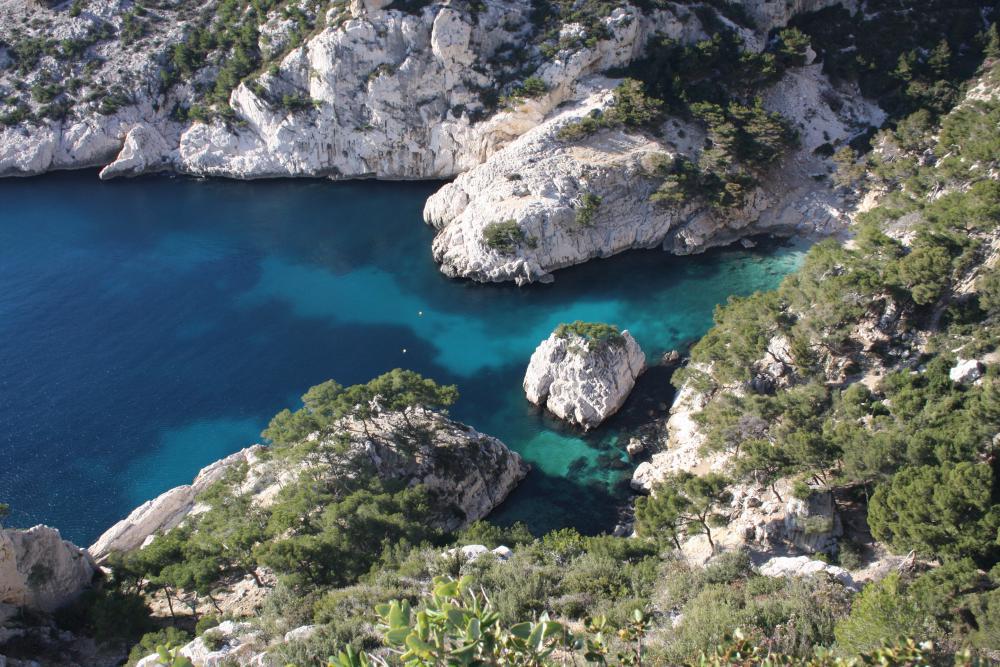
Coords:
432,92
40,571
848,354
386,93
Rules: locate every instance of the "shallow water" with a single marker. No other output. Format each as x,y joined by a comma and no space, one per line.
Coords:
149,327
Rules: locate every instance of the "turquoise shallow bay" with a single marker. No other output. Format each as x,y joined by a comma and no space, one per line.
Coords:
149,327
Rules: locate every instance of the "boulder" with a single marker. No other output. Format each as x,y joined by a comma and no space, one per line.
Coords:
635,447
41,571
472,552
581,379
966,371
803,566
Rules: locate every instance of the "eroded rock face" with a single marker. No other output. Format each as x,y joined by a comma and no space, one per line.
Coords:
541,182
582,380
41,571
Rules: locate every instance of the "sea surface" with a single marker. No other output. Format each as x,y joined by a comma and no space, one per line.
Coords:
150,327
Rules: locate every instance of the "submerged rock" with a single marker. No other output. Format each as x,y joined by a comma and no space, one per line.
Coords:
582,378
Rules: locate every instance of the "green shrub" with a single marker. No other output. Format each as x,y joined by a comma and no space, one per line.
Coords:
504,237
169,638
205,623
595,333
587,210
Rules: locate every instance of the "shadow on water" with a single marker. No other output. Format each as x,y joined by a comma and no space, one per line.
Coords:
151,326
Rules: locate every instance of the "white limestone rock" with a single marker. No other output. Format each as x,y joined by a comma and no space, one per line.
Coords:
301,633
145,150
473,552
540,183
41,571
966,371
804,566
581,380
166,510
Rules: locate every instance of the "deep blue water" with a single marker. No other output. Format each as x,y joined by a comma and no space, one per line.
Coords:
149,327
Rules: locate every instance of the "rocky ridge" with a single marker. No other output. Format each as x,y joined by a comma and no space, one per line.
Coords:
540,182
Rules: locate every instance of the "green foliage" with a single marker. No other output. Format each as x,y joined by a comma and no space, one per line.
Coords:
167,638
492,536
944,603
206,622
595,333
988,290
297,102
4,511
947,510
906,55
107,615
792,47
630,107
531,87
684,502
587,210
327,403
457,624
170,657
504,237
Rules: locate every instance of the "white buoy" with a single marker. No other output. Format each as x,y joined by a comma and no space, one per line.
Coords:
420,313
404,350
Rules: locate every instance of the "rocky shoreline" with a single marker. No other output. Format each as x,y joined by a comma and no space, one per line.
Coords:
397,95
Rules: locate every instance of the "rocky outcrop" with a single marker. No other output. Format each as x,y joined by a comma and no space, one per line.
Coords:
542,184
40,571
581,379
168,509
470,473
472,552
812,525
803,566
966,371
229,643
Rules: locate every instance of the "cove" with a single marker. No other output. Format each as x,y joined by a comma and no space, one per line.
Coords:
151,326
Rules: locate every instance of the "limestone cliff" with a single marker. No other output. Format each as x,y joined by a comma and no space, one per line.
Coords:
436,92
40,571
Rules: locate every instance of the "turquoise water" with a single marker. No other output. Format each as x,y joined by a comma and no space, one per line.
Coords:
150,327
